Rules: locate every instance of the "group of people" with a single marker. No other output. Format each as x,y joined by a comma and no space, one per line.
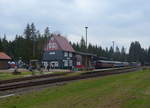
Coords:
49,66
40,67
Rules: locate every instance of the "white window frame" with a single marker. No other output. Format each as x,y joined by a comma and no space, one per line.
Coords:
65,54
78,63
52,45
52,38
65,63
56,64
70,63
52,53
70,54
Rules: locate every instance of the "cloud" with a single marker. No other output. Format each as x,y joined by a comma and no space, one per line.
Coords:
121,21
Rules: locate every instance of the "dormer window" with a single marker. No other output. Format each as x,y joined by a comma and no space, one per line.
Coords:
52,45
52,38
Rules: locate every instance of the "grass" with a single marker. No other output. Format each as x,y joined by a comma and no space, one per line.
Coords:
9,75
131,90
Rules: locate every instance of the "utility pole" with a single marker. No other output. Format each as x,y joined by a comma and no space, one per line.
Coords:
86,35
86,48
113,46
33,45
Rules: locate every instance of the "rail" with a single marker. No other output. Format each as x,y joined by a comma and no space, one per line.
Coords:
96,73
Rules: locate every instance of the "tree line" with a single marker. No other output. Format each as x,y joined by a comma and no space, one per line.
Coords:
27,46
136,52
30,45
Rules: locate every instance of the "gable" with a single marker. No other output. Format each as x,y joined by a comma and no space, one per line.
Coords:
64,44
52,45
58,43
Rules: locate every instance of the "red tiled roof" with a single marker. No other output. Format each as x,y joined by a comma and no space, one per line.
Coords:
4,56
61,44
64,44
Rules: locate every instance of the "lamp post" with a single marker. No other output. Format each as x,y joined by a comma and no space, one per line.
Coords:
86,35
33,49
113,45
86,48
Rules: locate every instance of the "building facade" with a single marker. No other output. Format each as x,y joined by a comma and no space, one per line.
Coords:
84,60
58,53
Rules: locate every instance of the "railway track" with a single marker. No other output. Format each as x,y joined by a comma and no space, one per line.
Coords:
52,80
32,78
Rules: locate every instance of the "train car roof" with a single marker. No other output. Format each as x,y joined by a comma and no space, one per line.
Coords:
86,54
106,61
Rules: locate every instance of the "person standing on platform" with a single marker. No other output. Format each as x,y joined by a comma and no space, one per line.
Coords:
48,67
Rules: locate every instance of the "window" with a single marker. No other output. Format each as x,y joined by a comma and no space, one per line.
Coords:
65,62
78,63
66,54
52,53
52,45
70,63
54,64
70,54
52,38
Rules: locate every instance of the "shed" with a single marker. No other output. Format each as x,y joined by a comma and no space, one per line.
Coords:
84,60
4,58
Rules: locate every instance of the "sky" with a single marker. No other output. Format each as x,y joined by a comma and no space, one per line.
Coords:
122,21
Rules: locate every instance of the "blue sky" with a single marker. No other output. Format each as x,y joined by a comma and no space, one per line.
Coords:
122,21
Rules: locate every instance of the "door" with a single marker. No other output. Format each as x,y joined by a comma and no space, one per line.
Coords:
54,64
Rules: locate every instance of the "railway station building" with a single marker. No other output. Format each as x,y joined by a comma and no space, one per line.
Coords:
59,54
4,58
